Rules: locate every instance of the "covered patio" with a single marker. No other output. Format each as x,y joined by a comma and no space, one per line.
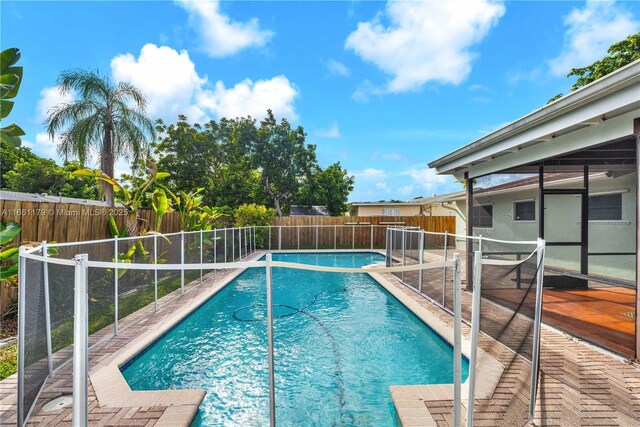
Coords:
567,173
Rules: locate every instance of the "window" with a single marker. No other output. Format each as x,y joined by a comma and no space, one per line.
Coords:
483,216
525,211
605,208
390,212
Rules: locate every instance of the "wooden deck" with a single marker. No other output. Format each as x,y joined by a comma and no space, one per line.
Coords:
594,314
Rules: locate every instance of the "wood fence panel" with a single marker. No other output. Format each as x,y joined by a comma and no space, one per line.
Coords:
64,222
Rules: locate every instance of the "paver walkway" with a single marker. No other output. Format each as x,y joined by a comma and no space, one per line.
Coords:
580,385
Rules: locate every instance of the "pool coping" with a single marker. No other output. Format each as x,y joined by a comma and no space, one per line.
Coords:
112,390
409,400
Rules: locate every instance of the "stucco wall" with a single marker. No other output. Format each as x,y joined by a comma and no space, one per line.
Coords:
378,210
562,214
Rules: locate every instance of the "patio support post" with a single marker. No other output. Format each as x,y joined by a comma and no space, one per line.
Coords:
233,244
444,270
636,130
279,237
155,272
225,245
475,328
335,237
240,243
115,285
298,233
541,204
469,188
80,342
420,258
317,232
272,393
537,318
457,338
47,306
584,226
22,268
182,261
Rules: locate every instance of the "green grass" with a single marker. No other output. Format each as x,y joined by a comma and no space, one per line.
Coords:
8,361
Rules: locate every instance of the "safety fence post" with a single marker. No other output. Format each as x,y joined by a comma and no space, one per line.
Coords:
80,343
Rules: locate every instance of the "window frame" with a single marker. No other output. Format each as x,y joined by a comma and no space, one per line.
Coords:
474,216
618,207
515,210
395,211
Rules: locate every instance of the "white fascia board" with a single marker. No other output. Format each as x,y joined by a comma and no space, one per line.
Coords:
618,127
629,96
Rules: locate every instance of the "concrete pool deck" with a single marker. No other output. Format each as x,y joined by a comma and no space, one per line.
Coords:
579,385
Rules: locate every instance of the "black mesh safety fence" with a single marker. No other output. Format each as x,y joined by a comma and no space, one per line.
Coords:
508,285
34,337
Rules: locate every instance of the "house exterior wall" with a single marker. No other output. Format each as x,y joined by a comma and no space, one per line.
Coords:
378,210
562,216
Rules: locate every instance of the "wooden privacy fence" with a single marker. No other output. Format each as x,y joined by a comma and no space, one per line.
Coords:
356,232
67,222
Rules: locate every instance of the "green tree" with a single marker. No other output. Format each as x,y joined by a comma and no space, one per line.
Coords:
252,214
619,54
10,80
26,172
329,187
214,156
283,158
108,117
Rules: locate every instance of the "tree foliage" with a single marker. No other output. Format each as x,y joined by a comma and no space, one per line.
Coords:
10,80
107,117
282,157
239,162
618,55
329,187
26,172
252,214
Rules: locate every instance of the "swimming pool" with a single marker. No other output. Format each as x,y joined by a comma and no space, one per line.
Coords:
340,341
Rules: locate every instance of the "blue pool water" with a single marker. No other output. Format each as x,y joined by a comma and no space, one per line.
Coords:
340,341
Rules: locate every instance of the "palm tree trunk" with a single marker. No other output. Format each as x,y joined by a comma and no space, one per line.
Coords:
106,160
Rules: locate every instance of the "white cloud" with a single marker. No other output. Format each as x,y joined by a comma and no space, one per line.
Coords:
337,68
167,77
332,131
173,86
50,97
370,173
252,98
427,178
220,36
383,186
591,30
393,156
44,147
424,41
406,190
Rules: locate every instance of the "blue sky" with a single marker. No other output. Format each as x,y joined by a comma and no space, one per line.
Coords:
384,88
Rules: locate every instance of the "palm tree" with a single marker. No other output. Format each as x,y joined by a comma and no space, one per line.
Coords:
106,118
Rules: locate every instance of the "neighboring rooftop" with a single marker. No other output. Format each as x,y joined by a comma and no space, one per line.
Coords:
309,211
46,198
